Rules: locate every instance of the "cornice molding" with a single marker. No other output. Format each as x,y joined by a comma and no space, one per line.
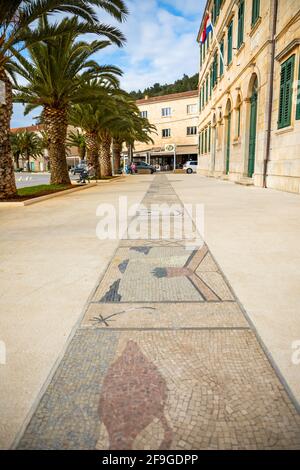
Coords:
292,45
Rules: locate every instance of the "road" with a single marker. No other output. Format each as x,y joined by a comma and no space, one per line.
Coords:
32,179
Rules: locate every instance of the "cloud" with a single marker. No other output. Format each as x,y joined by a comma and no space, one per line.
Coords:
19,120
161,43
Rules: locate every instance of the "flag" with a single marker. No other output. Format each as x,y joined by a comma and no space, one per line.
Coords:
208,27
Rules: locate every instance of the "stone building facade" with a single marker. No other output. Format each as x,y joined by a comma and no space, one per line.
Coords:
176,118
249,125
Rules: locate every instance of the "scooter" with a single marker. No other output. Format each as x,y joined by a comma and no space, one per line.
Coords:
84,175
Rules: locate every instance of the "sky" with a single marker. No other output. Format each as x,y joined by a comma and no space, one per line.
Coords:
161,45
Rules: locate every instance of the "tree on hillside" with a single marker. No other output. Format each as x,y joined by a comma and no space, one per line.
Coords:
186,83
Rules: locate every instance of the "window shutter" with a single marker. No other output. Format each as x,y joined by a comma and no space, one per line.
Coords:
221,60
298,97
289,91
229,55
241,24
281,98
255,11
286,92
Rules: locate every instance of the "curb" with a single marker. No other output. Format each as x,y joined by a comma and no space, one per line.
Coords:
36,200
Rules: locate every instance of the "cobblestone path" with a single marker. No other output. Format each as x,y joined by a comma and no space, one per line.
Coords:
164,359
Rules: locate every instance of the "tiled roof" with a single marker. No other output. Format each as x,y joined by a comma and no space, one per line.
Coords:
172,97
39,127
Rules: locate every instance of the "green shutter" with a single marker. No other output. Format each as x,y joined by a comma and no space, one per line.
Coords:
298,96
200,56
215,68
286,93
241,24
221,60
255,11
229,42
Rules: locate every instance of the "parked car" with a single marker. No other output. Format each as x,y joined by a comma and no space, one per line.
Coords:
144,166
78,168
190,167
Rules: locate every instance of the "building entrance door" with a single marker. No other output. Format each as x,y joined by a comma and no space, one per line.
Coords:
228,143
253,126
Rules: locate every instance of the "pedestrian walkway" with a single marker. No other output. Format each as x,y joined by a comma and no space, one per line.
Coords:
164,358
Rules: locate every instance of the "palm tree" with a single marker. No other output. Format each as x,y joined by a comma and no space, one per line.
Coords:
84,116
58,73
26,144
123,125
136,129
77,139
31,146
15,148
16,34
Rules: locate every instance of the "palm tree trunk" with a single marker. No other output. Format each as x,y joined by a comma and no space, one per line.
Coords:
56,127
117,150
104,153
28,162
92,152
17,161
81,152
7,177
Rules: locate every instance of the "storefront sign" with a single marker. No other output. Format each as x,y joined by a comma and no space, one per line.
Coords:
170,148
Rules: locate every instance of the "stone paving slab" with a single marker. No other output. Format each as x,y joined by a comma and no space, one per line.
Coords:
162,273
164,315
164,359
164,390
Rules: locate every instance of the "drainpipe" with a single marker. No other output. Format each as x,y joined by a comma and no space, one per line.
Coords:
271,94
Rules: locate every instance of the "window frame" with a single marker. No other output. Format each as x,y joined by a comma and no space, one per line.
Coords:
194,106
286,87
144,116
167,114
298,94
241,24
166,136
255,12
230,43
191,128
222,61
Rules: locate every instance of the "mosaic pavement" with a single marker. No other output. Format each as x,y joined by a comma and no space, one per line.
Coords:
164,359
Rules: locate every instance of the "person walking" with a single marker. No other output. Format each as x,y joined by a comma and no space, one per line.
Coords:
133,168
